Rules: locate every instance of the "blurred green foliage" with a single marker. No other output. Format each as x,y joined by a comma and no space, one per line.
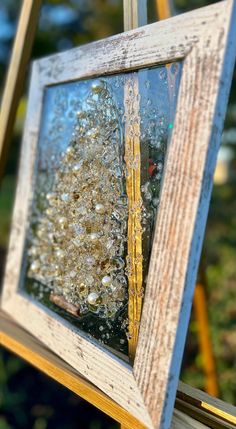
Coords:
27,398
7,191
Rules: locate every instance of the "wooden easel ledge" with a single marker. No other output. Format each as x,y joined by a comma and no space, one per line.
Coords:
193,408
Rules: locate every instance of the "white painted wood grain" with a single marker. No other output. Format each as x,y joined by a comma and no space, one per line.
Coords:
188,178
205,40
160,42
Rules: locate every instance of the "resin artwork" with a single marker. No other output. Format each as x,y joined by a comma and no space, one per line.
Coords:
97,183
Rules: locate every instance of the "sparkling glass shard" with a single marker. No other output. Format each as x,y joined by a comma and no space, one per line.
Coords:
100,163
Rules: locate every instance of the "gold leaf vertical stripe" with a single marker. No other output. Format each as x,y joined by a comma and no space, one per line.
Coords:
133,184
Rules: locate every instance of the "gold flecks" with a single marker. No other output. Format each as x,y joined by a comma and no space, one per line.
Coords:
133,166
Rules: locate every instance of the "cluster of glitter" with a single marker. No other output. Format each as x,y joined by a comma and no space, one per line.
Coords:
78,245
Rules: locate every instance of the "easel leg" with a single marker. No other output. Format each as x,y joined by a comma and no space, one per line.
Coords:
204,340
15,78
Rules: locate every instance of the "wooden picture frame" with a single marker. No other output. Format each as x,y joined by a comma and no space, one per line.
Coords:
205,41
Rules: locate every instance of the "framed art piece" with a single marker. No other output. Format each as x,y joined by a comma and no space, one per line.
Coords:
118,155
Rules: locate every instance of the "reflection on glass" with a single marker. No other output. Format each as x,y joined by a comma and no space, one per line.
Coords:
78,257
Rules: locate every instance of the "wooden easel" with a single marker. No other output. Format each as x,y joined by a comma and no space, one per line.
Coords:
192,406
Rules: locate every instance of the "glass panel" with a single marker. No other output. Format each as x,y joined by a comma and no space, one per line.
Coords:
96,192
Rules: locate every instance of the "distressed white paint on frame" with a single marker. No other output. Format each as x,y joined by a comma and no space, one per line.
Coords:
206,41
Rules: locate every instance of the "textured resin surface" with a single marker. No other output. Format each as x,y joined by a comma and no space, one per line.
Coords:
97,184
